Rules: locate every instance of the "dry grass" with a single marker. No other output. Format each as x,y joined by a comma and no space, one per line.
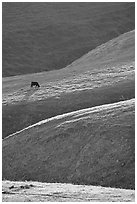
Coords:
85,81
57,192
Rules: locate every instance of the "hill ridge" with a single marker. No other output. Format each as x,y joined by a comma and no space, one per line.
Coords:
114,44
58,117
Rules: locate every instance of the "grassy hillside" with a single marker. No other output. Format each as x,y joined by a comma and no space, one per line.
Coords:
104,75
91,146
45,36
44,192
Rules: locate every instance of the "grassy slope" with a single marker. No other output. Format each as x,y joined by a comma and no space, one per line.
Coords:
104,75
16,117
43,192
39,36
92,146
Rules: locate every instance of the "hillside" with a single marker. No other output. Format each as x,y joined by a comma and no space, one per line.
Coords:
39,37
44,192
93,146
104,75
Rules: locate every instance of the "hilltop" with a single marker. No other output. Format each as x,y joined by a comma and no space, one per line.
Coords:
93,146
39,37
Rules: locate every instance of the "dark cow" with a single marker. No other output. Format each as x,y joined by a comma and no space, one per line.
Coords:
34,83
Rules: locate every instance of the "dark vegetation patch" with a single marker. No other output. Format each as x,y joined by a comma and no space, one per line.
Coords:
7,192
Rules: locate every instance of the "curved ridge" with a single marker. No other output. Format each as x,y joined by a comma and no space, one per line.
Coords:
76,113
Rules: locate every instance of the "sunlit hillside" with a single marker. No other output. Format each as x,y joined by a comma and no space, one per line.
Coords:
51,192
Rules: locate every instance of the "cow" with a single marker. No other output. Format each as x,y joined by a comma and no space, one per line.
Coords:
34,83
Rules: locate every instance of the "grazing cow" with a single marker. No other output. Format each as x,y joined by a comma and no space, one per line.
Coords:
34,83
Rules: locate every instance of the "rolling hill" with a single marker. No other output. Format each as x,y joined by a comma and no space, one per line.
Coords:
39,37
104,75
79,126
93,146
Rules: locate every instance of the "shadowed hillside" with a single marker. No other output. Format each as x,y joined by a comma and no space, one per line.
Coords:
45,36
91,146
